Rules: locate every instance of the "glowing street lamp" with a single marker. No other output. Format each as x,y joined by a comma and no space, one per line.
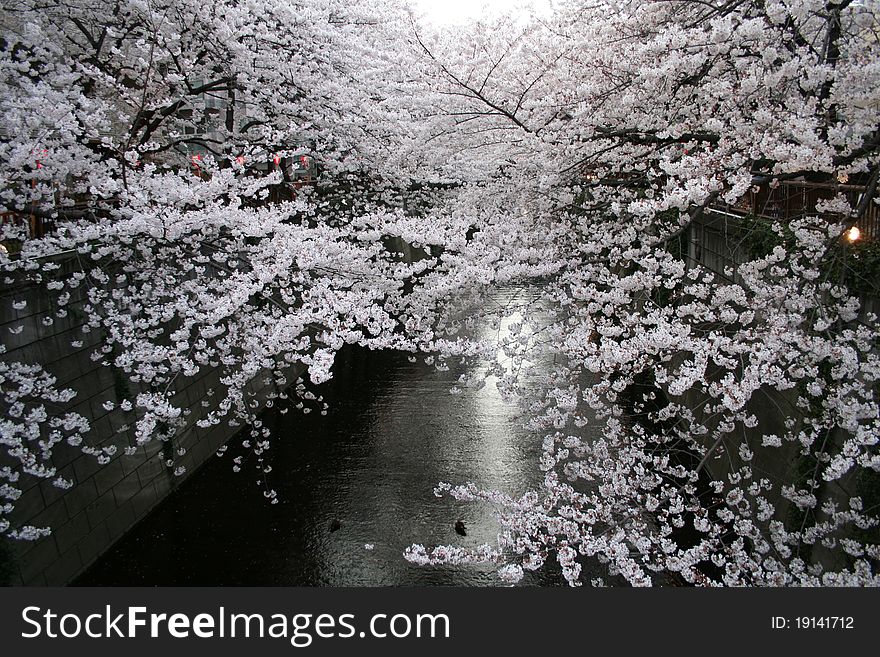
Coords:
853,234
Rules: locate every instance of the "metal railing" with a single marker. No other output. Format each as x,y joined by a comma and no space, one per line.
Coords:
36,225
796,198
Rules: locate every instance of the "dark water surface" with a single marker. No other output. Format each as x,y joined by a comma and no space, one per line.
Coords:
392,432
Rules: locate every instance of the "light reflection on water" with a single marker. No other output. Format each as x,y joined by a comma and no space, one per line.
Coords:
392,432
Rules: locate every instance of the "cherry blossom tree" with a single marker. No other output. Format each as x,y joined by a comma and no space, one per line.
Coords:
152,133
570,155
608,131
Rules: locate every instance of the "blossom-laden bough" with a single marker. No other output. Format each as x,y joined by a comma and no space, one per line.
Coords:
152,138
737,403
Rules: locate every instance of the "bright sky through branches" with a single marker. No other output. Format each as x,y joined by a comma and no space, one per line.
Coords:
451,12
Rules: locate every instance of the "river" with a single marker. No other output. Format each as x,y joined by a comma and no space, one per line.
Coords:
392,432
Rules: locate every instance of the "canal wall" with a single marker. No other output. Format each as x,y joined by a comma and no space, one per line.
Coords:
106,500
715,242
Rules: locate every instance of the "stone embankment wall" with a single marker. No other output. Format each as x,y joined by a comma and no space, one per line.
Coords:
107,500
715,243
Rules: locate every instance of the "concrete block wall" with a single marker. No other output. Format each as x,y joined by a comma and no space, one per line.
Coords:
714,245
107,500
